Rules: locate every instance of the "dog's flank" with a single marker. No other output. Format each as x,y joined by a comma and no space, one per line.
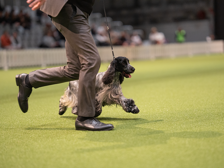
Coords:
107,87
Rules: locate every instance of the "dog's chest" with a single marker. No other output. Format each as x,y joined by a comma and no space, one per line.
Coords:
109,94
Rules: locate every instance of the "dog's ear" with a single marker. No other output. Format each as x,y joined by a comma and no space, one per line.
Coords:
121,78
110,73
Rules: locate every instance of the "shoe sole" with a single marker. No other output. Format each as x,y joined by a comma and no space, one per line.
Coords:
82,129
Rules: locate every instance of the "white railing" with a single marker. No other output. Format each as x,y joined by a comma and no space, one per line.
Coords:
46,57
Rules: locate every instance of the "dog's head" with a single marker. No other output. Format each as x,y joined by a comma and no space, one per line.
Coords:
119,64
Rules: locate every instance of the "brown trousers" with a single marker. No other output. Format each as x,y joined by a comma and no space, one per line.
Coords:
83,60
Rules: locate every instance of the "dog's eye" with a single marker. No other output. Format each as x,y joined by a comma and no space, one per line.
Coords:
124,63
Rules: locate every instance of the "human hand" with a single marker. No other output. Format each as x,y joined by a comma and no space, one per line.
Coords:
35,4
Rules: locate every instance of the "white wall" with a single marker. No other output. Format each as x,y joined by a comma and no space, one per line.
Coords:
45,57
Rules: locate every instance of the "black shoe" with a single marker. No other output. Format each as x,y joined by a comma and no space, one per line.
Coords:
92,124
24,92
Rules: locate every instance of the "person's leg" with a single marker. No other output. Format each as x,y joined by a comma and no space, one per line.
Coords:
78,35
56,75
90,64
49,76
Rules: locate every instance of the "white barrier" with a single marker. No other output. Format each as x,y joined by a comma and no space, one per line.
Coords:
46,57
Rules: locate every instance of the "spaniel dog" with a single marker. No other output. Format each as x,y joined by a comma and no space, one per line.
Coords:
108,89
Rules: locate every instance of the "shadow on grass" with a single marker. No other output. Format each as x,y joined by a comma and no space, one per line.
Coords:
52,129
136,132
129,133
49,126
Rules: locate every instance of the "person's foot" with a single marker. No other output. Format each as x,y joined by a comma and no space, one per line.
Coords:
92,124
24,92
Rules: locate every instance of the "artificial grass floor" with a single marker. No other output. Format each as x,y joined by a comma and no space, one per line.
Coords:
180,124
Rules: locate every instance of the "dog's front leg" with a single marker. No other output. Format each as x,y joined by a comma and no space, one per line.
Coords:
129,105
98,108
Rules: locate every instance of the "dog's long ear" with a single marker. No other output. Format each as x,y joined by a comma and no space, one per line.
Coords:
110,73
121,78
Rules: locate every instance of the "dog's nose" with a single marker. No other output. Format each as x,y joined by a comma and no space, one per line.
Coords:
133,69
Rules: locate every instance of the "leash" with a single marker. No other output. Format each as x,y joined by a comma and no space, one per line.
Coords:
108,30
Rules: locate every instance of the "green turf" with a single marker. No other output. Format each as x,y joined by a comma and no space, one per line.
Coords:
180,124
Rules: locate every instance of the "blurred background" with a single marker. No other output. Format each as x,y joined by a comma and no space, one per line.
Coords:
154,24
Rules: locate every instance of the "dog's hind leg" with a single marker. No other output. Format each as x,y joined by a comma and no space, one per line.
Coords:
62,106
67,100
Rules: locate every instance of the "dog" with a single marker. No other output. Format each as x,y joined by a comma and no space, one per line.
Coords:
108,89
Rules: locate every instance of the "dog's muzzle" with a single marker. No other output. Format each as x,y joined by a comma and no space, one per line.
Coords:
130,70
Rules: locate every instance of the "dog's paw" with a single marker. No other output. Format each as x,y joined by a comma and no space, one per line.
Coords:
62,109
130,106
135,110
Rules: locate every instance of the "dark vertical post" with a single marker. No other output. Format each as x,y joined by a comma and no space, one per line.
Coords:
136,3
219,19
